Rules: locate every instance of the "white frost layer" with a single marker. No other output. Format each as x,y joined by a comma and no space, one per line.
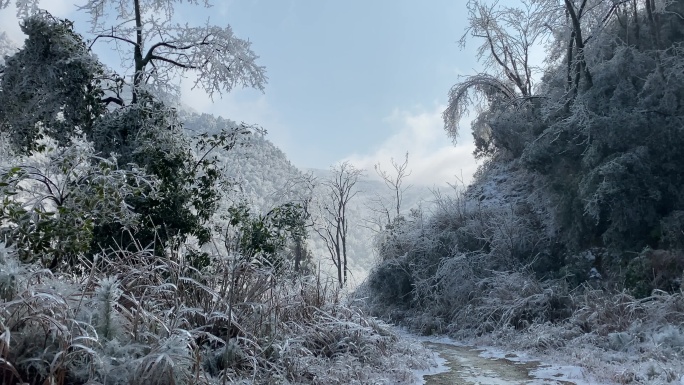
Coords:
440,368
544,374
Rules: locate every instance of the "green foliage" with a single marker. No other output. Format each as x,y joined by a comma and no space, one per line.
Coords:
146,135
672,230
654,270
265,236
53,202
149,135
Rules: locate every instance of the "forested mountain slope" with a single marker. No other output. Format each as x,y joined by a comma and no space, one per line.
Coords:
261,173
573,229
263,177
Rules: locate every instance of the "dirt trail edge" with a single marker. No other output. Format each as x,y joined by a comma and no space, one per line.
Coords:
468,366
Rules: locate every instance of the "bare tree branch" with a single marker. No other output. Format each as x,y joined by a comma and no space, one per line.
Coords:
333,224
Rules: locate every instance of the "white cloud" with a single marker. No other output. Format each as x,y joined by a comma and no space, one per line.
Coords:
240,105
433,158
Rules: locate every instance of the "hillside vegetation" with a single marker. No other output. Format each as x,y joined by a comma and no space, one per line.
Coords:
140,244
572,234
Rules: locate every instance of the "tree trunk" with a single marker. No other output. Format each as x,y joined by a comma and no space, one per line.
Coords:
637,32
581,69
137,54
344,250
652,19
338,254
298,255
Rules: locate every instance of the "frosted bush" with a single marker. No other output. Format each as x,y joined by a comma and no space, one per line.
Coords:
670,336
620,341
170,362
455,279
6,252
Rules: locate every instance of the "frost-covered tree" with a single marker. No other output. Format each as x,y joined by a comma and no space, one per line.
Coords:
149,135
144,135
162,49
394,181
50,86
508,34
333,224
602,124
156,49
53,201
612,147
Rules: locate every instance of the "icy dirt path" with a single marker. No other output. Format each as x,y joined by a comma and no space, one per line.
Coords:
466,365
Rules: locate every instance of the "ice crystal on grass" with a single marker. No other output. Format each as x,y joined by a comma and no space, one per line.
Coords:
107,295
142,319
11,273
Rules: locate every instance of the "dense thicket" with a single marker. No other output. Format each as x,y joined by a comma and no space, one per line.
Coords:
582,183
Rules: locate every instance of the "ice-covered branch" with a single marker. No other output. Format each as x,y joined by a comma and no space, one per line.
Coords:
220,60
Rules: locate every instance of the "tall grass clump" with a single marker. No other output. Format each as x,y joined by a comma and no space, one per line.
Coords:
137,317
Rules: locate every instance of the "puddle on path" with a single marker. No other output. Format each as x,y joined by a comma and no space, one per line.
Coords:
467,367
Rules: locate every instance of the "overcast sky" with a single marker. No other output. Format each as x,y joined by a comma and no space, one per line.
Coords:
354,80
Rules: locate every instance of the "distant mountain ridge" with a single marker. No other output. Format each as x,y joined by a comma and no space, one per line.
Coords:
264,177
